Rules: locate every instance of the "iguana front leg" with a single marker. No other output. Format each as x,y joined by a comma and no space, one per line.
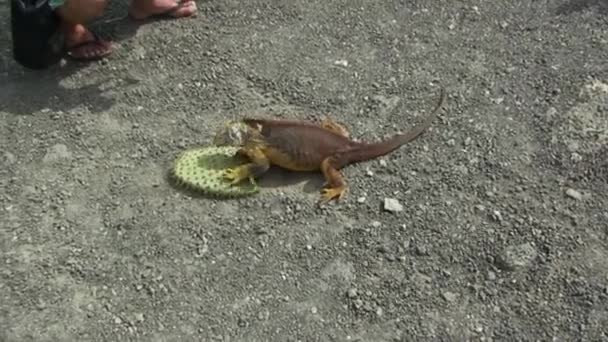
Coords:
257,166
335,127
336,187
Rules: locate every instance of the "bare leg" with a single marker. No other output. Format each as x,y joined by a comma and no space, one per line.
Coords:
82,43
141,9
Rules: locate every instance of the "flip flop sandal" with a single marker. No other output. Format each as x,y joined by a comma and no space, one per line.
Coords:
90,50
168,14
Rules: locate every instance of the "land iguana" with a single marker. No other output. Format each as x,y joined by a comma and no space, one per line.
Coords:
306,146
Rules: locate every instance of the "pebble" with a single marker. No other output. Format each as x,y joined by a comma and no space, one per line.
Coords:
517,256
341,62
496,215
422,250
551,112
575,157
57,152
449,296
376,224
392,205
9,158
352,293
574,194
361,200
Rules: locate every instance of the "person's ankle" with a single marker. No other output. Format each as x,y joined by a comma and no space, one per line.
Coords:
74,33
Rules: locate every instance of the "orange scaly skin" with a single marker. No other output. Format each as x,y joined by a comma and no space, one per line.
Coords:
306,146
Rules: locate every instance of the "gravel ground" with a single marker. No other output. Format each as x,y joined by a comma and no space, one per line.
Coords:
498,228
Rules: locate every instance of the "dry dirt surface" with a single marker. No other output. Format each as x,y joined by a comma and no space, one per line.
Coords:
496,225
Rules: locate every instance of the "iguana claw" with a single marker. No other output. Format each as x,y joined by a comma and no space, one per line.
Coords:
328,194
236,175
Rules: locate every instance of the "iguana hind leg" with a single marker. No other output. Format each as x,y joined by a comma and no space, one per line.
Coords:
256,167
336,187
335,127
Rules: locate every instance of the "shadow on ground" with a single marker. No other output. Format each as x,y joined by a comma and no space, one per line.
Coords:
275,178
25,91
572,6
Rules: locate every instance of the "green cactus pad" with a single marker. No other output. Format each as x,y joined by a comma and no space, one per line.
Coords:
201,169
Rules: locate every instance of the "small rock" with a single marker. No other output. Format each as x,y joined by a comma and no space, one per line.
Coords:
361,200
117,320
392,205
263,315
491,276
467,141
56,152
462,169
383,163
518,256
496,215
449,296
351,293
242,323
9,158
451,142
575,157
421,250
551,112
139,317
574,194
573,146
341,62
376,224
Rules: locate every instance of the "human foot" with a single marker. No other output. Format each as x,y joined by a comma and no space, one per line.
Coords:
142,9
83,44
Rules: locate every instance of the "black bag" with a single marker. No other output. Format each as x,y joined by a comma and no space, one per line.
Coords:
37,38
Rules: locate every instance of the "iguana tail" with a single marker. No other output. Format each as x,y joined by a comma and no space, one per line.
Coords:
367,151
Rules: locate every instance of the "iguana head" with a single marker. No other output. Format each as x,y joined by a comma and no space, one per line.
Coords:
233,133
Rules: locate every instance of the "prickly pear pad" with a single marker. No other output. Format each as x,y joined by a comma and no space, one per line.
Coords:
201,169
